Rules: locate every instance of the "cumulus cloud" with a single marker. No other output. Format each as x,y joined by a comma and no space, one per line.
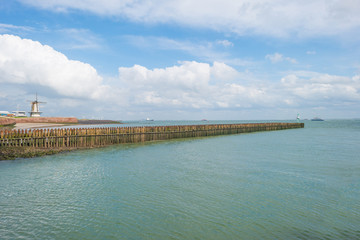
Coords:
186,86
277,57
219,86
323,87
24,61
190,84
277,18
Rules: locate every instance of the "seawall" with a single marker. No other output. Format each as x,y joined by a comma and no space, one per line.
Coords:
40,140
46,120
7,121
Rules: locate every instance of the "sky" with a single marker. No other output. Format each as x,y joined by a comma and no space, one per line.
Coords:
181,60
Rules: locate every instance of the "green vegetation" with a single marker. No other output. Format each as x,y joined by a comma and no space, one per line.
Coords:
6,127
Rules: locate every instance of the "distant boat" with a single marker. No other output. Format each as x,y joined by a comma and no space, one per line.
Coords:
148,119
204,120
317,119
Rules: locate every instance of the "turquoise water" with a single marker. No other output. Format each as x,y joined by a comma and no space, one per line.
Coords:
291,184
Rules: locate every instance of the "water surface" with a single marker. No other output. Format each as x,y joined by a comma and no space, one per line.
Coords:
291,184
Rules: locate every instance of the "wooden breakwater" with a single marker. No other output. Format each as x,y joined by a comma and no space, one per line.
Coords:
96,137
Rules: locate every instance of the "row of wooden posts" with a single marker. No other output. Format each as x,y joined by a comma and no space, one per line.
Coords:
92,137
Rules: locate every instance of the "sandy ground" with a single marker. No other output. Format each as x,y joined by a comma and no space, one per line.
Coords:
36,125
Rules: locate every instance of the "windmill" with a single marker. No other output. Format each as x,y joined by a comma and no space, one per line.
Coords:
35,107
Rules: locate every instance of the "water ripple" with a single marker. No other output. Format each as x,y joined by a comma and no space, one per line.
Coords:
250,186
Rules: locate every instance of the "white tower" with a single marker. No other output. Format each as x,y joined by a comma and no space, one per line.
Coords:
35,112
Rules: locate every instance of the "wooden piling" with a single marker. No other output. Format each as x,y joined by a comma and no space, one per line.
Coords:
93,137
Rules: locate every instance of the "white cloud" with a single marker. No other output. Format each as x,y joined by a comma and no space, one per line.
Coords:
277,18
26,65
274,58
223,72
225,43
277,57
189,85
65,38
6,28
323,87
23,61
205,50
71,38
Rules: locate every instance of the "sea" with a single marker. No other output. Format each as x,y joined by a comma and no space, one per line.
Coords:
289,184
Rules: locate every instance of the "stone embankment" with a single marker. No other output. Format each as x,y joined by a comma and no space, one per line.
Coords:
7,121
47,120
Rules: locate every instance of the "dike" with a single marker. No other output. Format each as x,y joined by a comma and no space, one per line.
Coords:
7,121
47,120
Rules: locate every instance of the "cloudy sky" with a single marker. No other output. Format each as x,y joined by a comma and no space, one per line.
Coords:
171,59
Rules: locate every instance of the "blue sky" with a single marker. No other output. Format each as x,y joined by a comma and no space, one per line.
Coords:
129,60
